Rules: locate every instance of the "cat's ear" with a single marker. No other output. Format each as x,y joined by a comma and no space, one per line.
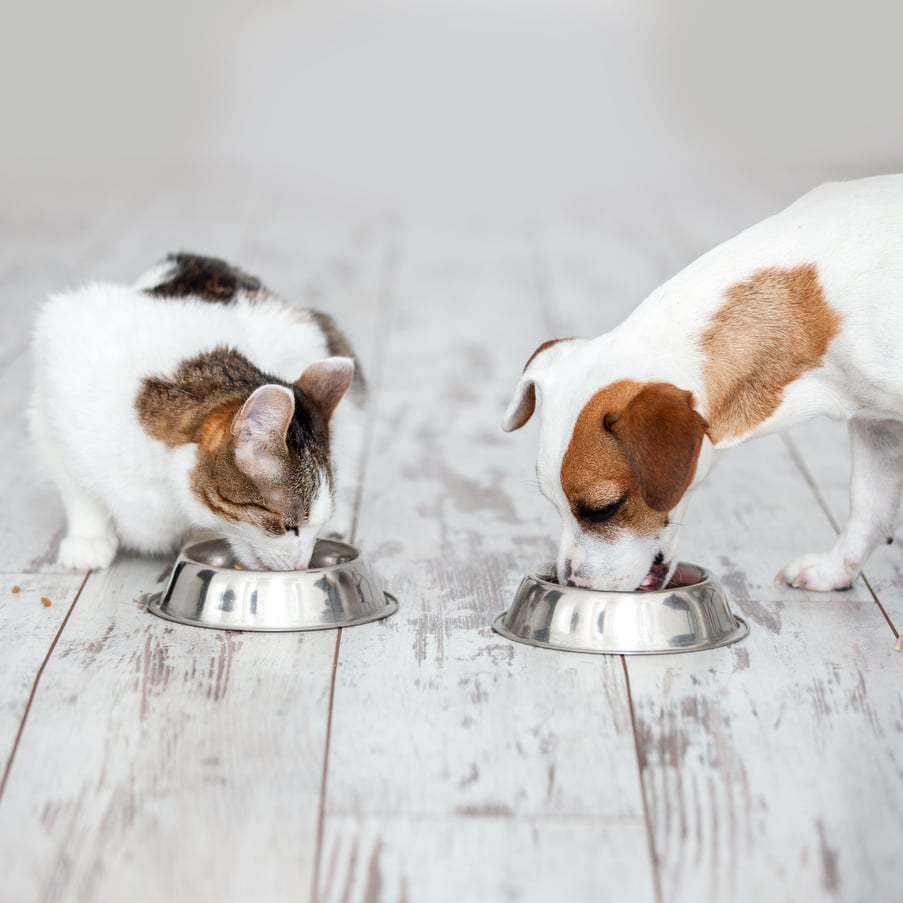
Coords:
259,430
326,381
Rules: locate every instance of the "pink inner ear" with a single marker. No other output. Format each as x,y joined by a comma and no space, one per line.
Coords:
259,429
326,382
266,413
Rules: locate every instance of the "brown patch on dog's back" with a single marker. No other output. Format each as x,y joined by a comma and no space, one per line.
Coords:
204,277
771,329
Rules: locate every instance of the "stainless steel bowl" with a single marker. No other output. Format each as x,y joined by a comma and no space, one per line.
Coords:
208,589
691,614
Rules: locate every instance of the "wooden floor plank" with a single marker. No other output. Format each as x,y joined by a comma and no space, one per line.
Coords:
752,515
434,714
484,858
47,250
774,768
332,265
32,610
162,761
32,525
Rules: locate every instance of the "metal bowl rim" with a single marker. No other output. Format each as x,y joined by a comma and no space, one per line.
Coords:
263,574
154,606
540,575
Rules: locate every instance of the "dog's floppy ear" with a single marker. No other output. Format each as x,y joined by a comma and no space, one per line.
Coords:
661,434
523,403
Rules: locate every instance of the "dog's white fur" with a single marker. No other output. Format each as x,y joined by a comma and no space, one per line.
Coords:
853,235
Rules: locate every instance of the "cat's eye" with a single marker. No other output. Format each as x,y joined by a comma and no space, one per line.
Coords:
599,514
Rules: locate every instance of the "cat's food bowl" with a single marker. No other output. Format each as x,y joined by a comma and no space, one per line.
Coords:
208,589
690,615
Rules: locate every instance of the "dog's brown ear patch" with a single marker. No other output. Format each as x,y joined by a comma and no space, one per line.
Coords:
770,330
661,435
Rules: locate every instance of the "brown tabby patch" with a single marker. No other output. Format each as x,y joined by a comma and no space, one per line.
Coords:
197,404
204,277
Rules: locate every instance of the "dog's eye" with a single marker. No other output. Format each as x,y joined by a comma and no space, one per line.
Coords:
599,515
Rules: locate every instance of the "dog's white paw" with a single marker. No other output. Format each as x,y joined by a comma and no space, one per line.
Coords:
87,553
819,572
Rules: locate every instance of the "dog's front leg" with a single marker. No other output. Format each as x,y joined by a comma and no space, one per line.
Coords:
876,487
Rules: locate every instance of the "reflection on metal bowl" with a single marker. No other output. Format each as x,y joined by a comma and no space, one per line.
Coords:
208,589
689,615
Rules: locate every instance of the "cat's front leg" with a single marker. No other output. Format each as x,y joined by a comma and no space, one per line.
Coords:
90,541
87,553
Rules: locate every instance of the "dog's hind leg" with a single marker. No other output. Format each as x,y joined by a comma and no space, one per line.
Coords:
876,488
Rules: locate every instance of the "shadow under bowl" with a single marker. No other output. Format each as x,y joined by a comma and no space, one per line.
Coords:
207,588
691,614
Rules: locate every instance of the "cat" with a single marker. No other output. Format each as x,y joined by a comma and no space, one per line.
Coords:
195,398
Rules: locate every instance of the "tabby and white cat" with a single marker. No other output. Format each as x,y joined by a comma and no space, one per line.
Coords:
195,398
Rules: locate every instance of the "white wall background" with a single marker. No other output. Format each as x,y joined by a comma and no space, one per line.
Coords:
437,100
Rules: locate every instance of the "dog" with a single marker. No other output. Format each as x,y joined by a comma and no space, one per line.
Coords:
801,315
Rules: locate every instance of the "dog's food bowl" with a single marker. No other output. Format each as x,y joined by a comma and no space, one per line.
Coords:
690,615
207,589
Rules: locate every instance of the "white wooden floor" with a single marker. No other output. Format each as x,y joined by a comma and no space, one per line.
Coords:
425,758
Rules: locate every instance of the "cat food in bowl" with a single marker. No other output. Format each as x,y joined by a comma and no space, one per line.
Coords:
689,615
208,588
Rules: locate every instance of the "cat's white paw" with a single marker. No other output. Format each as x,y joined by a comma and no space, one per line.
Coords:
821,572
87,553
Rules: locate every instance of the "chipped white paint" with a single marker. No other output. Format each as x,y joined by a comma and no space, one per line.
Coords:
772,768
399,858
182,762
32,609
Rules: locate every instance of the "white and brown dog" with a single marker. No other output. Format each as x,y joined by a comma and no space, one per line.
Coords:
798,316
